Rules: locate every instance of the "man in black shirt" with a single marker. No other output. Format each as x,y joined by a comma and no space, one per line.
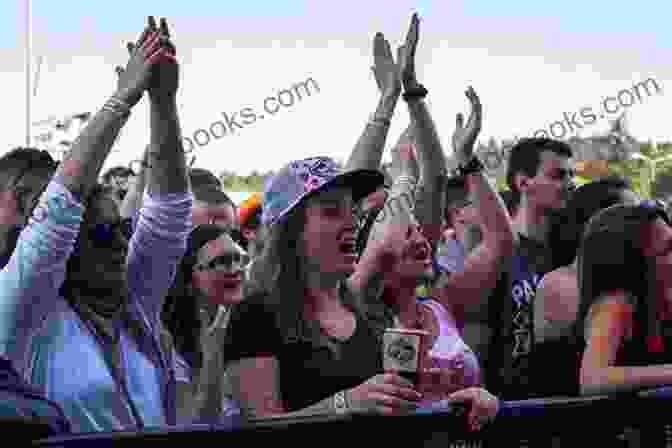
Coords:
540,175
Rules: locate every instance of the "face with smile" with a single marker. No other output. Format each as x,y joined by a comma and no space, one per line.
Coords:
220,271
415,261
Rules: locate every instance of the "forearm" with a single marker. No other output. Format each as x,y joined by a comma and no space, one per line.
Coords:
497,229
168,172
133,199
324,407
430,196
607,380
80,168
368,151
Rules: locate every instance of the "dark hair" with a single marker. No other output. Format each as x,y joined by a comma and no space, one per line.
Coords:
611,258
212,196
117,171
567,227
525,158
510,200
13,167
180,313
19,161
200,177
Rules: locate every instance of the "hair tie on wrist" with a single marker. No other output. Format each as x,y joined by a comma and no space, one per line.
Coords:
418,91
474,166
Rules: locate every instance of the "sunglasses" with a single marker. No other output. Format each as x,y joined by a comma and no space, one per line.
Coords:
231,262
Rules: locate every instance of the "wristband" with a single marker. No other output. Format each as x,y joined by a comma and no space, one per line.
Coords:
340,403
117,107
416,92
474,166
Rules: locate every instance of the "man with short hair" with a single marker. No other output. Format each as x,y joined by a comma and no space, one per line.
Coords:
200,177
118,179
212,206
540,175
24,174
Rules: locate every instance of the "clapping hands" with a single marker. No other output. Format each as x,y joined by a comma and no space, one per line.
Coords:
151,66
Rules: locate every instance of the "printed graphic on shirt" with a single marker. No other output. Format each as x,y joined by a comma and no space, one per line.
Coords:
523,291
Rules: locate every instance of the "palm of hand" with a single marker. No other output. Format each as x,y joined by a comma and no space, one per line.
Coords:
464,136
385,70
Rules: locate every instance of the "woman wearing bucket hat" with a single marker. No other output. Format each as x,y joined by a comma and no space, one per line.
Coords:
306,319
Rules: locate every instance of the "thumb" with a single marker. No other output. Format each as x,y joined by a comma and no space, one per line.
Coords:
462,396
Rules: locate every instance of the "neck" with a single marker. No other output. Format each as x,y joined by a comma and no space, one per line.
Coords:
401,297
531,222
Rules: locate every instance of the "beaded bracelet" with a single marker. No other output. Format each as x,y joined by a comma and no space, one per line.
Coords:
117,107
378,120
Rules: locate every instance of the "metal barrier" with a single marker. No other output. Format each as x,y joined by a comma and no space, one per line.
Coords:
631,420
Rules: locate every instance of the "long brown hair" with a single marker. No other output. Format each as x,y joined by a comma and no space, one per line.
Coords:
280,276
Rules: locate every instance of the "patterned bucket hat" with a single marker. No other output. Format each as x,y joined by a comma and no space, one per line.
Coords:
300,178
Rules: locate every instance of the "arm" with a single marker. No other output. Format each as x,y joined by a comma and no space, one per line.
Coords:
256,385
133,199
483,265
36,270
388,234
80,169
608,325
368,151
165,218
431,196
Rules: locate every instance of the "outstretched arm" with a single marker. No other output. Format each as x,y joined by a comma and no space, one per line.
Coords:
368,151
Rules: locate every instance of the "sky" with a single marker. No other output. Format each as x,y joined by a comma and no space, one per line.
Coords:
530,62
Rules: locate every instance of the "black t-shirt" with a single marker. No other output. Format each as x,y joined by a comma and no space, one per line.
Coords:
309,371
509,371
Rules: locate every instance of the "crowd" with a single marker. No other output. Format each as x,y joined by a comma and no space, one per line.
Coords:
149,298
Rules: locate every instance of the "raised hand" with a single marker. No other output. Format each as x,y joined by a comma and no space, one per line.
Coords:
464,137
406,54
385,70
165,76
146,52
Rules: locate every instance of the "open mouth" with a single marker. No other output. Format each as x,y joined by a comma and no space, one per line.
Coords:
231,281
347,247
422,254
